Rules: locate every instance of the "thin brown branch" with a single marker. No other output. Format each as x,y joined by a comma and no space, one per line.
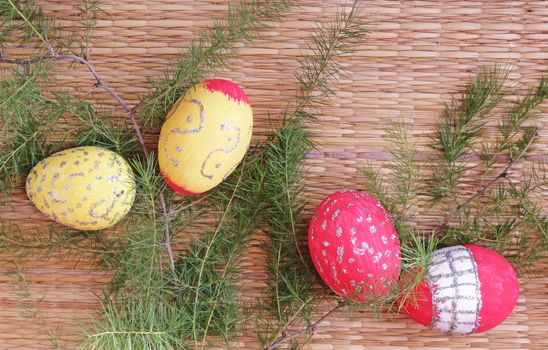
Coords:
23,62
309,329
101,84
480,192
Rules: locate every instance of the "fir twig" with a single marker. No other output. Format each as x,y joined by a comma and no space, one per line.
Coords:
29,18
503,174
309,329
138,285
290,276
405,177
508,130
459,129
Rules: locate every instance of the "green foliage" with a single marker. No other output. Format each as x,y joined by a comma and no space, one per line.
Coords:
502,211
319,71
214,48
29,19
41,245
459,129
206,274
26,116
417,248
29,115
511,125
137,270
88,11
24,16
291,281
404,176
197,302
134,324
292,291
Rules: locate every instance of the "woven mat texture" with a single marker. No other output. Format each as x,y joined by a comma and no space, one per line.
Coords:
418,55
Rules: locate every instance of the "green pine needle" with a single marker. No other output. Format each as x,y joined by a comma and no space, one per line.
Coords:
136,324
292,291
459,129
26,116
141,281
405,177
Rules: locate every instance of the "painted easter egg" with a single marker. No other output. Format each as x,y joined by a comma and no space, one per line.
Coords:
354,245
467,289
205,136
86,188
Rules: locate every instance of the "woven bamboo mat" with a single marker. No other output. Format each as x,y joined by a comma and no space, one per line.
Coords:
418,54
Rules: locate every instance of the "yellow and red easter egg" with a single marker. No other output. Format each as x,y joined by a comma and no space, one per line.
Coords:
86,188
205,136
467,289
354,246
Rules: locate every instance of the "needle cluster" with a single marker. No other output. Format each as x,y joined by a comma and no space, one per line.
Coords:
293,291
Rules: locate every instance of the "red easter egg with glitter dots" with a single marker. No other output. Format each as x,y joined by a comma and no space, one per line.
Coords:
467,289
354,245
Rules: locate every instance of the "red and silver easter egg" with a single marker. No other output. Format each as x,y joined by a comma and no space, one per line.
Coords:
467,289
354,245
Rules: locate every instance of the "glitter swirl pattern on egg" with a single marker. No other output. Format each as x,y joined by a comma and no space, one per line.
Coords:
205,135
354,245
86,188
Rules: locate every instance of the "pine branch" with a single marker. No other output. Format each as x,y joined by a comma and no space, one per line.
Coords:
150,325
42,245
137,282
459,129
510,127
32,15
309,329
208,248
206,273
27,116
503,174
405,177
88,19
29,18
290,276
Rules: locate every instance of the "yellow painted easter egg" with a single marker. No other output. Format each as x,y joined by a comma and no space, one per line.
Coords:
205,135
86,188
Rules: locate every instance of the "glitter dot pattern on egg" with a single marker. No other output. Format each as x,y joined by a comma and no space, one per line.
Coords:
86,188
354,245
205,135
467,289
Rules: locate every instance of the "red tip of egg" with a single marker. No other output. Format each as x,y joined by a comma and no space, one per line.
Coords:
176,187
228,88
499,286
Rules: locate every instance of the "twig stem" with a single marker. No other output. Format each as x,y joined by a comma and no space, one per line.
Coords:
481,191
310,329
